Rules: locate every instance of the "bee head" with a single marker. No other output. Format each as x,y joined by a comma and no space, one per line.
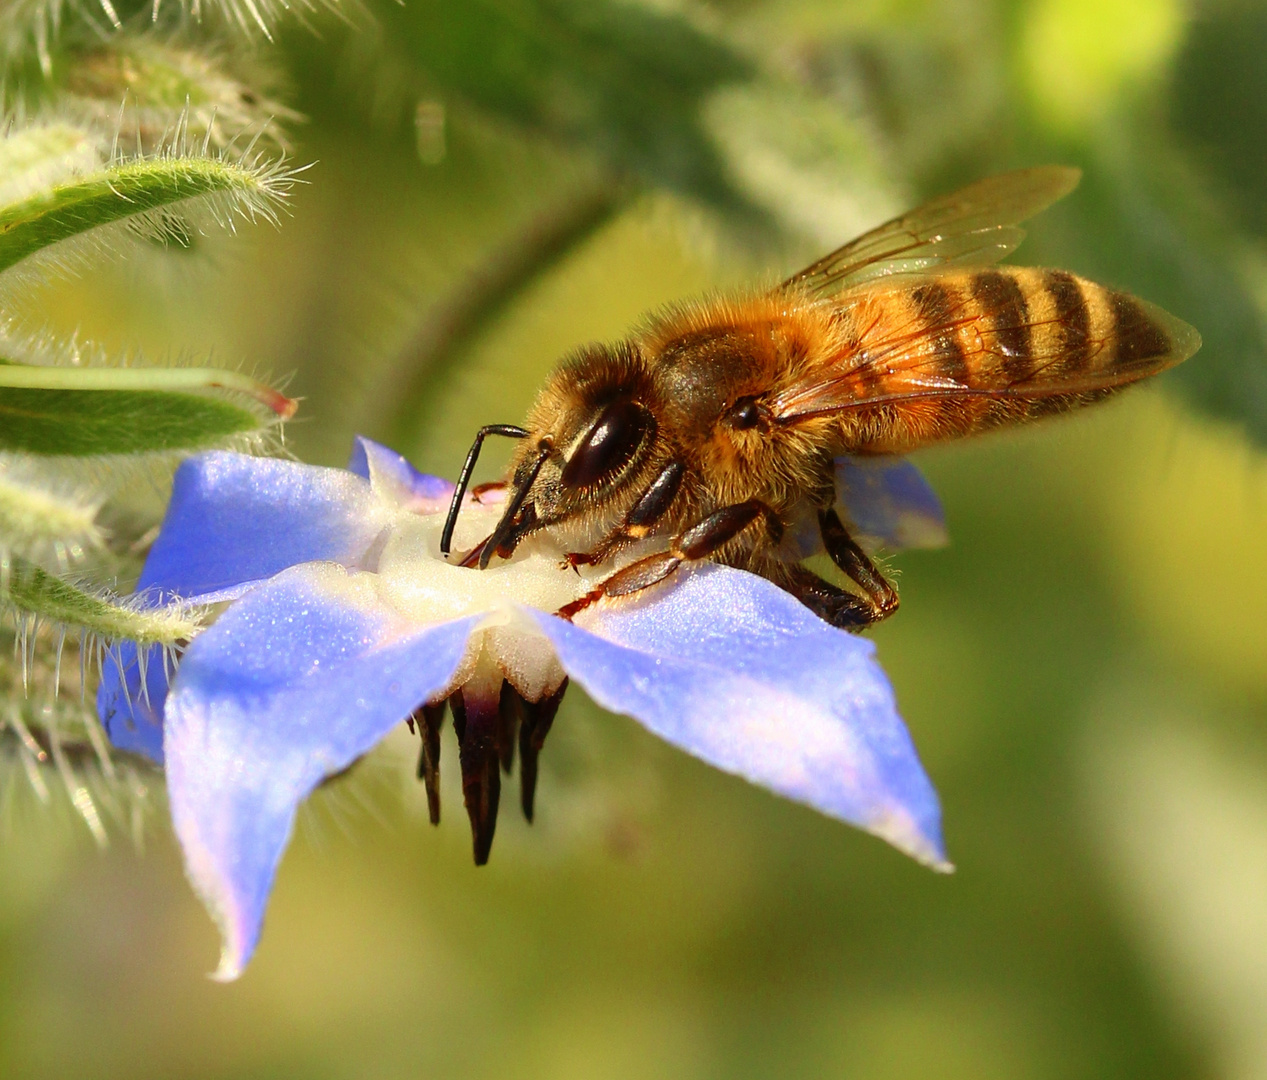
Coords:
588,434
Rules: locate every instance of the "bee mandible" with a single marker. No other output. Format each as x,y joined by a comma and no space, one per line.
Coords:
719,427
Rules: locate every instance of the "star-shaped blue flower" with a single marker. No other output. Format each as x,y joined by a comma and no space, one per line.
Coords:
342,620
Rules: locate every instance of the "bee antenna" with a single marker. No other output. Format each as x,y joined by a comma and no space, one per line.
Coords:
511,431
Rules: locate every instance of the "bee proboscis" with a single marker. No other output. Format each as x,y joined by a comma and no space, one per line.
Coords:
716,425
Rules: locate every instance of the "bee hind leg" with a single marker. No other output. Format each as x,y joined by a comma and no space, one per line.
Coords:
696,543
843,609
878,599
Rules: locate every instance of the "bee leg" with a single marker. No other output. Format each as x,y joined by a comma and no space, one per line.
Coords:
844,610
696,543
651,506
878,594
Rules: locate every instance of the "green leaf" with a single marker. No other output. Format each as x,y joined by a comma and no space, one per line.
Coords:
53,408
817,170
136,192
81,422
32,591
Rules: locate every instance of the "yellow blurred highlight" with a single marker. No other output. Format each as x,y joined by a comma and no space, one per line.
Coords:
1187,519
1079,56
1183,823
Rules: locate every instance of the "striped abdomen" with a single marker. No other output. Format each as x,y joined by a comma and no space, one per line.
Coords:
956,353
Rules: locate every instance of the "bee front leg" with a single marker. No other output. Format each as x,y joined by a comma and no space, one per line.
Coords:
878,595
696,543
651,506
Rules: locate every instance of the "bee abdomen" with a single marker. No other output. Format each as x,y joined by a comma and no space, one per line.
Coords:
1001,300
1025,343
969,350
1042,333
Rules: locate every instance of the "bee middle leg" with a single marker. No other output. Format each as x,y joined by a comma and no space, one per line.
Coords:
650,507
696,543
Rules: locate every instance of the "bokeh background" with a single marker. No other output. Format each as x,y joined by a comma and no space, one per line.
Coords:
1084,669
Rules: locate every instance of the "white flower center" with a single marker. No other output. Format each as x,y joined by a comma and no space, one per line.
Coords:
426,588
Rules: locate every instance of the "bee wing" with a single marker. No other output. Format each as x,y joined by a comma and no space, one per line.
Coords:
887,501
942,340
975,226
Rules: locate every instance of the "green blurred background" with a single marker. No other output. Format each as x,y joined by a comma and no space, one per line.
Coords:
1084,670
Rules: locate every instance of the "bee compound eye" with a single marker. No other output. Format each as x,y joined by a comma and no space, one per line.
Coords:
609,444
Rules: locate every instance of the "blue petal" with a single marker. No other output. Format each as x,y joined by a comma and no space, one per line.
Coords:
132,718
397,480
293,683
735,671
235,519
888,501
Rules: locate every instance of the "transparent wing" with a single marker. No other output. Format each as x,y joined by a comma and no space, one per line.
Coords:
888,502
975,226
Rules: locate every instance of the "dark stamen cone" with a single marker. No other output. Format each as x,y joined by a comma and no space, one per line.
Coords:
537,718
476,723
429,719
509,711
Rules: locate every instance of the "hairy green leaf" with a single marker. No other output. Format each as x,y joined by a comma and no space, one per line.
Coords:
35,158
134,91
31,591
134,191
82,412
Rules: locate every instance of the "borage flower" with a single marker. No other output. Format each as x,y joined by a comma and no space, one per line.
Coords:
341,620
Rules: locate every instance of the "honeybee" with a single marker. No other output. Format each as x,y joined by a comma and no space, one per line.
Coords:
716,426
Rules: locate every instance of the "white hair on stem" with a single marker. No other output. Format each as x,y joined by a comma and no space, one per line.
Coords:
124,93
34,26
56,745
